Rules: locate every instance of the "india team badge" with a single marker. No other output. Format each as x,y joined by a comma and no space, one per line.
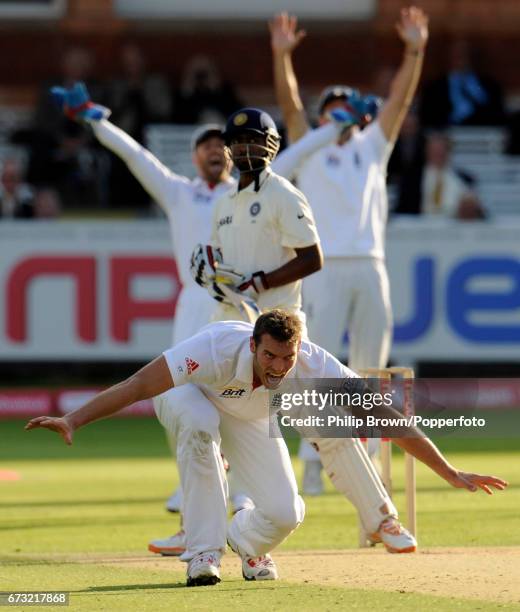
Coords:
254,209
240,119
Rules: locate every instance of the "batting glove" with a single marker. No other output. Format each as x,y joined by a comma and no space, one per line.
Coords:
77,105
203,264
227,275
254,285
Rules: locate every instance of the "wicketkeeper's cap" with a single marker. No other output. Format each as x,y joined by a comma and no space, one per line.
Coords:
205,132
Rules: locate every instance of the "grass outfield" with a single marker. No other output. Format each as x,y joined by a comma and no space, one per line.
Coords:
79,519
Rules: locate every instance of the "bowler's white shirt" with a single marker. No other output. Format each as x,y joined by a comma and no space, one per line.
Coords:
218,360
346,188
260,230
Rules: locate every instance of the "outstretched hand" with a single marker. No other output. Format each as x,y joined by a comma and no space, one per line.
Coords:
76,104
413,28
284,34
472,482
57,424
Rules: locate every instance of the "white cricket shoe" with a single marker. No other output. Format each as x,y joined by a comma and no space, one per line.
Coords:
173,546
204,569
394,536
312,480
255,568
174,502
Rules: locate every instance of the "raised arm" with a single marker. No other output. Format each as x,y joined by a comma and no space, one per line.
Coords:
158,180
284,39
288,161
153,379
413,31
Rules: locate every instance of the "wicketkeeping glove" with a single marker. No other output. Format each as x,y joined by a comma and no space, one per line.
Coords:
77,105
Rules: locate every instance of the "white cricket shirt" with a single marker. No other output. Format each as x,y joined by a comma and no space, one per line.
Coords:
259,230
219,361
346,188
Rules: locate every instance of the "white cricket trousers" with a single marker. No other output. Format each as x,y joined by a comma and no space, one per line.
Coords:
351,293
193,311
262,464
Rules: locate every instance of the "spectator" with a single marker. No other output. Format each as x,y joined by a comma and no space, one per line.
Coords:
47,204
136,98
16,196
463,96
203,96
61,152
470,208
443,187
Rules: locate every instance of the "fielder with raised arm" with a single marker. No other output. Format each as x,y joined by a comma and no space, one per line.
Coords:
250,361
345,183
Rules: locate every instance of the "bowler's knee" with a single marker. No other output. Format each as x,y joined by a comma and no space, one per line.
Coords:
289,514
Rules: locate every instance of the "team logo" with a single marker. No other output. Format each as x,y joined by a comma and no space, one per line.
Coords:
240,119
357,160
232,392
191,364
254,209
333,161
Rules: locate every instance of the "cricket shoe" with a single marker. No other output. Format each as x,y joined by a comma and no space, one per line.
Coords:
174,502
174,546
394,536
204,569
255,568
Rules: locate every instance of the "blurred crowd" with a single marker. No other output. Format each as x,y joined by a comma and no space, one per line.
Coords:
62,168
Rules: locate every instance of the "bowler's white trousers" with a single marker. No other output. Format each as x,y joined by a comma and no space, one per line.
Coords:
263,469
261,464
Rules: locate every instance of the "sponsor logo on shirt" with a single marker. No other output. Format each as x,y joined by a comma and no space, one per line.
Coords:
333,160
357,160
233,392
202,198
191,364
254,209
225,221
300,216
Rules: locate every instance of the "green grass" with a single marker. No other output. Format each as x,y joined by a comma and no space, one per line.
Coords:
105,494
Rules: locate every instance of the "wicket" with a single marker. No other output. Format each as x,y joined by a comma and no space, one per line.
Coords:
386,375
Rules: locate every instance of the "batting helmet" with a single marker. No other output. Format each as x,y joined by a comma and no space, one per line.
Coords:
253,121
